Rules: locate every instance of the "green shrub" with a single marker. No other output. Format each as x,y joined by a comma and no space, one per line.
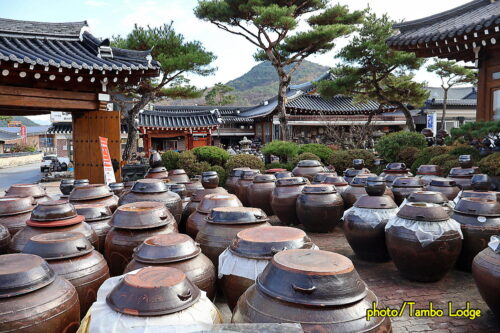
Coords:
22,148
322,151
466,150
276,166
244,160
490,165
408,155
390,145
197,168
282,149
445,161
304,156
221,172
170,159
425,155
211,154
342,159
475,130
448,165
185,159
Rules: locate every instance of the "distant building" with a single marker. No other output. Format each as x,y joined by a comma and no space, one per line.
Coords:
6,137
36,136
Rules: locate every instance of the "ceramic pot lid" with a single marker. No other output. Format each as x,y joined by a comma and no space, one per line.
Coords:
237,215
157,170
319,189
283,174
335,180
443,182
58,245
491,195
141,215
427,196
291,181
178,172
413,182
463,172
80,182
93,212
265,242
23,273
236,172
13,205
149,186
398,167
90,192
429,169
312,277
273,171
360,180
166,248
249,174
153,291
375,202
266,178
321,176
176,187
478,207
67,181
209,173
53,210
480,182
308,163
26,190
211,201
116,186
423,211
56,223
200,193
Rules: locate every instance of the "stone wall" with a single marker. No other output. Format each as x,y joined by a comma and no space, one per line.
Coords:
16,159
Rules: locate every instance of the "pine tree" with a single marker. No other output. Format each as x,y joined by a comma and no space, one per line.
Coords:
218,95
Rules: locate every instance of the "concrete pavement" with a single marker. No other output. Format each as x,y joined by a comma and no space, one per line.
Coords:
24,174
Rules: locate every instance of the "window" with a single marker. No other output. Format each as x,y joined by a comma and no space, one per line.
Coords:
496,104
46,141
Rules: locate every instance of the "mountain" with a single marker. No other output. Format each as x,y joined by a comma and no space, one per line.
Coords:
25,121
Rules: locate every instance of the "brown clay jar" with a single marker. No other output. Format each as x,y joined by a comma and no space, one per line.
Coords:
320,290
284,199
319,207
357,188
339,182
393,171
94,194
431,197
320,177
233,178
357,169
131,224
34,298
197,219
444,185
157,173
178,176
28,190
242,185
487,276
4,240
260,191
176,251
73,258
463,175
402,187
15,211
307,169
191,206
98,217
223,224
428,172
209,179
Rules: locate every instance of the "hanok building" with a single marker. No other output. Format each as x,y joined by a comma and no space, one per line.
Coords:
48,67
466,33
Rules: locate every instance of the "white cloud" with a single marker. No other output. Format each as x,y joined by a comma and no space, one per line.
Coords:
95,3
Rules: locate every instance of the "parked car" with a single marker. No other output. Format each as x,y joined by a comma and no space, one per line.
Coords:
46,161
54,163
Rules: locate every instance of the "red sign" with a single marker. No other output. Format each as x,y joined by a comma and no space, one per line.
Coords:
23,134
109,175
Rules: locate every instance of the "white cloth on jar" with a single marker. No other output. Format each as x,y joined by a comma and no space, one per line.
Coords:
373,217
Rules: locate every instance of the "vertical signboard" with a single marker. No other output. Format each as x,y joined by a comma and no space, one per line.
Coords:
109,175
24,135
432,122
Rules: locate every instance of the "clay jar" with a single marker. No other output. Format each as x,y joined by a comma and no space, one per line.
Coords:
155,160
307,169
98,217
197,219
393,171
180,189
242,185
402,187
131,224
256,246
444,185
157,191
428,259
14,212
431,197
117,188
284,199
66,186
233,178
358,168
259,192
487,277
209,179
81,182
479,220
178,176
72,257
463,174
34,298
190,208
283,174
357,188
52,216
176,251
428,172
321,176
4,240
339,182
94,194
192,186
223,224
480,184
320,290
319,207
28,190
157,173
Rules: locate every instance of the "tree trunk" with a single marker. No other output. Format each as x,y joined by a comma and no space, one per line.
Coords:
410,124
281,107
445,104
132,129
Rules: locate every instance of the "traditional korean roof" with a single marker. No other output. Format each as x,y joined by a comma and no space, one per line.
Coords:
7,136
179,120
227,114
30,130
67,128
338,105
458,97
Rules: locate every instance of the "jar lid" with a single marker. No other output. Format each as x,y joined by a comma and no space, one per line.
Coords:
407,182
249,174
319,189
56,223
175,187
443,182
200,193
67,181
478,207
53,210
177,172
116,186
158,170
149,185
427,196
375,202
291,181
80,182
335,180
423,211
236,215
266,178
23,273
90,192
13,205
283,174
211,201
395,166
58,245
309,163
141,215
463,172
428,169
236,172
321,176
264,242
312,277
139,293
360,180
167,248
94,212
272,171
209,173
26,190
480,182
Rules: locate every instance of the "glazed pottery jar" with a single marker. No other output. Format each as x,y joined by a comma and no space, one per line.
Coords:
242,185
463,174
81,182
427,172
155,160
130,302
259,192
320,290
233,178
479,219
33,298
98,217
250,252
28,190
358,168
274,170
94,194
197,219
131,224
192,186
190,208
321,176
284,199
15,211
393,171
444,185
423,241
157,173
178,176
319,207
66,186
307,169
223,224
339,182
480,184
486,274
431,197
180,189
364,223
72,257
357,188
402,187
52,216
177,251
4,240
117,188
283,174
154,190
209,179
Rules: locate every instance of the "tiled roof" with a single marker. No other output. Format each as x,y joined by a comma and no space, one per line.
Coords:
336,105
227,114
67,128
470,103
30,130
179,119
453,93
6,136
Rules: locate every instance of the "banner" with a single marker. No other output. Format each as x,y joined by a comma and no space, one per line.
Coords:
109,175
23,133
432,122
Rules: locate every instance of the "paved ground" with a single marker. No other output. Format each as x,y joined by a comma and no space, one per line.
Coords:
24,174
